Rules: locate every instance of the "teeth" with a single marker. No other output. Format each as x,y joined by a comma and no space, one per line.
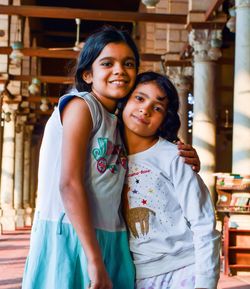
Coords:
118,82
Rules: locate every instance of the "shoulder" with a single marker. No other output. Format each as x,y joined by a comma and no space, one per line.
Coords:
76,108
169,156
167,149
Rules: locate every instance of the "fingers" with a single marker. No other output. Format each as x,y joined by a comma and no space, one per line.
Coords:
188,154
185,147
194,162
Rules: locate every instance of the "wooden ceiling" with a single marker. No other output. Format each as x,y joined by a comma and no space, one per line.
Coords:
52,24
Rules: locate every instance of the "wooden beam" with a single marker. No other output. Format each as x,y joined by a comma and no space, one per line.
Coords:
213,7
87,14
51,99
43,52
197,20
67,54
44,78
178,63
150,57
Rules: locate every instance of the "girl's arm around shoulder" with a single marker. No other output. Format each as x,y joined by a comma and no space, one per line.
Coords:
190,155
77,127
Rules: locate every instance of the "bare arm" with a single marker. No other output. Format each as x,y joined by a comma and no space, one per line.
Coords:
190,155
77,126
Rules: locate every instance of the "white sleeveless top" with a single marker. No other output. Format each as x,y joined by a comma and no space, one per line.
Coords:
106,167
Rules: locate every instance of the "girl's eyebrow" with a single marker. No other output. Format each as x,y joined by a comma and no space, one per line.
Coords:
159,98
111,58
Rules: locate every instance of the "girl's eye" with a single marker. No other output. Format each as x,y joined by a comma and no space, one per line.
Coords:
159,109
106,63
139,98
130,64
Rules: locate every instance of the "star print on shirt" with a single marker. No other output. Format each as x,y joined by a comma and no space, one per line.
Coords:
144,202
137,181
134,191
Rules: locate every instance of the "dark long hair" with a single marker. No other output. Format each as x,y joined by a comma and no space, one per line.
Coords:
171,123
94,46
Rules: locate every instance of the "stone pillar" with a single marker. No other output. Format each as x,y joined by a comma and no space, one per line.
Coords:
33,175
204,125
182,83
26,176
7,168
35,148
241,118
18,183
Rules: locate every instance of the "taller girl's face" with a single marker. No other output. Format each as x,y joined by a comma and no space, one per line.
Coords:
145,110
113,74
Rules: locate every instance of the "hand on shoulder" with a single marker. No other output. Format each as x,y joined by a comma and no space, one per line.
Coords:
190,155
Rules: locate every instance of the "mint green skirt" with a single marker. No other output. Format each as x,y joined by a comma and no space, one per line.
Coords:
57,261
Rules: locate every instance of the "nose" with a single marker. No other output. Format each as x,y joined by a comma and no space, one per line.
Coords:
144,111
118,69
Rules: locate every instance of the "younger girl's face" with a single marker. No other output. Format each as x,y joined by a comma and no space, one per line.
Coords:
113,74
145,110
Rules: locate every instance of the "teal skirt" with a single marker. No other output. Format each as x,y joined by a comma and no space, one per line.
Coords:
57,261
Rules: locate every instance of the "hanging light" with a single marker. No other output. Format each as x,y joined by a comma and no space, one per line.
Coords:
16,55
34,88
150,4
44,104
231,23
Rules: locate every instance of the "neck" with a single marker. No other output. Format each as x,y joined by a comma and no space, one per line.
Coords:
108,104
136,144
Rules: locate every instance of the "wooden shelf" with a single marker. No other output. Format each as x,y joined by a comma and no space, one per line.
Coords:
238,266
234,188
234,212
238,230
238,248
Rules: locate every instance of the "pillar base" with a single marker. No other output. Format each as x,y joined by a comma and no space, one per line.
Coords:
8,219
20,213
28,216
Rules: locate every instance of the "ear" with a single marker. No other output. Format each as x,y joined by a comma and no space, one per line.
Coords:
87,77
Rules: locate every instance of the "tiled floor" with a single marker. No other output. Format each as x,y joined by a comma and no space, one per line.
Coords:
14,248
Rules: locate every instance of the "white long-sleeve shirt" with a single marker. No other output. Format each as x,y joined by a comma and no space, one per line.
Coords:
170,216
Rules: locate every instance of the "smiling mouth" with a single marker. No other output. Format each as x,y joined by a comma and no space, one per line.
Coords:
140,119
119,82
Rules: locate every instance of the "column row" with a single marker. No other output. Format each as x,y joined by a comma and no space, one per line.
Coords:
17,189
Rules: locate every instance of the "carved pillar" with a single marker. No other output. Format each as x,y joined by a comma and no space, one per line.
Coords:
18,182
33,172
7,168
182,80
34,157
241,118
204,125
26,176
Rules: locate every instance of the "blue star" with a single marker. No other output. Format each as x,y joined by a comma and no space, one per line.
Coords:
134,191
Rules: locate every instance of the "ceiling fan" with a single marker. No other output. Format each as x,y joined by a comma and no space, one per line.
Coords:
78,45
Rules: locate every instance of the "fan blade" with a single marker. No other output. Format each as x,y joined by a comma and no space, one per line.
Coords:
61,48
78,45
